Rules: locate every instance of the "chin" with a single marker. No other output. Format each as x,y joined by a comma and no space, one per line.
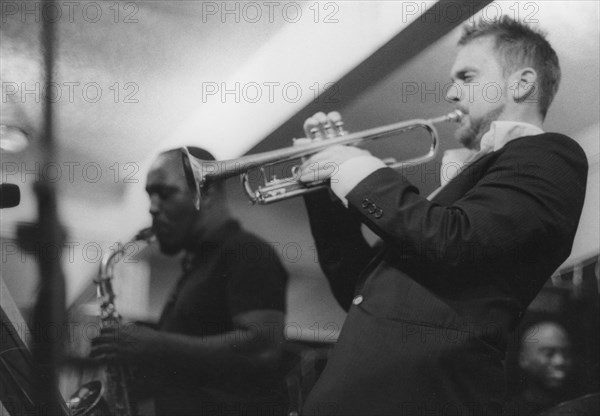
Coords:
168,248
469,134
554,385
466,136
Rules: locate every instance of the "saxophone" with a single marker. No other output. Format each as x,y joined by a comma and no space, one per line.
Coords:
113,397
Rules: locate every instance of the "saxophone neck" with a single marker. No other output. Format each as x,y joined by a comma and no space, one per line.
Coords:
105,274
146,235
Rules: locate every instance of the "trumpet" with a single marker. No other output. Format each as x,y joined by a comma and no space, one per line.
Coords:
200,174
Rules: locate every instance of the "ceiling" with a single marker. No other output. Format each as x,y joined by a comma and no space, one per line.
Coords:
133,78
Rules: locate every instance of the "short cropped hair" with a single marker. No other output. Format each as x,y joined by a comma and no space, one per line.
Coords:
518,45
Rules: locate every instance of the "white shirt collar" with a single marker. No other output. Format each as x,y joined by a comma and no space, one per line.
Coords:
502,132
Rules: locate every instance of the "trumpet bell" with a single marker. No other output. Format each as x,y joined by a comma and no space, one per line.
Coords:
192,168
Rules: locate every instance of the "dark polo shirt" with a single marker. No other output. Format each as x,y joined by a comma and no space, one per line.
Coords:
230,272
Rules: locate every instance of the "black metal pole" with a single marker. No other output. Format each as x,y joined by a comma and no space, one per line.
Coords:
48,318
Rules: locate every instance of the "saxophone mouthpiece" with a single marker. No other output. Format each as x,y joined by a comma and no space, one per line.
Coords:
146,234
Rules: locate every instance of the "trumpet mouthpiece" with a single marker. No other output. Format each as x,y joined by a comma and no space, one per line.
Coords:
456,116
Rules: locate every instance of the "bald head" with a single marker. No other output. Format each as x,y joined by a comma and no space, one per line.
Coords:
175,157
169,161
177,223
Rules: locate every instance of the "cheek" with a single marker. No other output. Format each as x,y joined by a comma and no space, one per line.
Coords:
543,363
179,210
537,362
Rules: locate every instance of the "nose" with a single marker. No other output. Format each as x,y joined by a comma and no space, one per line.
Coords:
559,359
453,93
154,205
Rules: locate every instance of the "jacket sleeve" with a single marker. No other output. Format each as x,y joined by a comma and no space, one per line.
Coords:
529,198
343,252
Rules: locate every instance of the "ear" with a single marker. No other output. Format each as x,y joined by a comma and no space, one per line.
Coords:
523,83
209,198
205,199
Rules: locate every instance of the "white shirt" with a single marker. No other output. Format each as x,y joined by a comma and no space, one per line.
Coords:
351,172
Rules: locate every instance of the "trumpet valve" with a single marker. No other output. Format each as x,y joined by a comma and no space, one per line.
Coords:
315,134
339,127
329,130
338,124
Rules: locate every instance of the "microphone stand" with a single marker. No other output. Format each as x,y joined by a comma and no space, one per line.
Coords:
49,311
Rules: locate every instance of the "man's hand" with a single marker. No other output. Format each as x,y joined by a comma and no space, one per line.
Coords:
325,164
131,343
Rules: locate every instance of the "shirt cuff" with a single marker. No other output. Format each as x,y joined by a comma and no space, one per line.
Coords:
351,172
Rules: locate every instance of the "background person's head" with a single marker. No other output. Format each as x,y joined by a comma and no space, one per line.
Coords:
545,356
175,220
504,70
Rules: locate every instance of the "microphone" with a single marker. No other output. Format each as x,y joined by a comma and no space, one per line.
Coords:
10,195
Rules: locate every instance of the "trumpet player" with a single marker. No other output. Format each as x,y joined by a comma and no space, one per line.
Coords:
429,314
217,347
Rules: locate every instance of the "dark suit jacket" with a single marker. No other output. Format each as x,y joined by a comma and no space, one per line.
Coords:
429,315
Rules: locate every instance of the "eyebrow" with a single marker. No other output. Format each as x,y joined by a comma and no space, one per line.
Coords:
157,187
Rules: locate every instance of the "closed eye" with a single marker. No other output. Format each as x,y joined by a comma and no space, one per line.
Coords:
163,192
464,76
468,77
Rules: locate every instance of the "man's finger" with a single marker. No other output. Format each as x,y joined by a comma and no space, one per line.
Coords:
318,171
315,175
311,128
316,160
324,125
335,119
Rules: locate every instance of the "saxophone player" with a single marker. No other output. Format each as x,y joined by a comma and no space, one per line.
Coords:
217,347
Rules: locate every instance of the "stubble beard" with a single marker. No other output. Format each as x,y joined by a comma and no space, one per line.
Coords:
169,248
470,134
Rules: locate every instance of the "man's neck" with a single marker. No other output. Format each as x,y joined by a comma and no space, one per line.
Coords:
537,394
523,115
206,227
